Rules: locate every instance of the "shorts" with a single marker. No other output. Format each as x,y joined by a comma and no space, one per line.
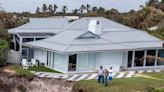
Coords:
110,78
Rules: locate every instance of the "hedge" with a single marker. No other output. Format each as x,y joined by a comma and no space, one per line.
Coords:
4,48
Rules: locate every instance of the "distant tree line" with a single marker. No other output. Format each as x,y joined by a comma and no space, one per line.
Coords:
150,14
51,10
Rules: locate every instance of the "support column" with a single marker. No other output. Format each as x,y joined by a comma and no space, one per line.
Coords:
14,41
20,44
145,53
156,56
133,59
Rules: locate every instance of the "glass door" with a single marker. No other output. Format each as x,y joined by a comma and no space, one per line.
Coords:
72,62
25,52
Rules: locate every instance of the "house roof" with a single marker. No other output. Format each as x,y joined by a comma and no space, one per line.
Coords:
115,36
42,25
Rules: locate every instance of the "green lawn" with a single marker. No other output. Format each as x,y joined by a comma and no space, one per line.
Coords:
20,72
42,69
138,84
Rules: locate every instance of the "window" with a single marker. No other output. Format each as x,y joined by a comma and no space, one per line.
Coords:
130,56
150,58
39,39
28,39
139,58
160,59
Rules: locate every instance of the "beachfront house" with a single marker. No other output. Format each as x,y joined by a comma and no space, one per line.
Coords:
90,42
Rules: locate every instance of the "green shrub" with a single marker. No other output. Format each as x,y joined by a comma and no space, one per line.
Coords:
159,90
21,88
4,48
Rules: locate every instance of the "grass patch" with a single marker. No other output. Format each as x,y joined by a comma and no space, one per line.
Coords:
41,69
20,72
124,85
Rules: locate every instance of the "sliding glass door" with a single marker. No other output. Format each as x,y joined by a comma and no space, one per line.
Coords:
50,59
72,62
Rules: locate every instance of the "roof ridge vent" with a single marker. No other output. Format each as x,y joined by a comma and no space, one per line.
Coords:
95,27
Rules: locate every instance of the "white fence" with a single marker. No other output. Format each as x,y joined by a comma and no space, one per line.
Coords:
14,57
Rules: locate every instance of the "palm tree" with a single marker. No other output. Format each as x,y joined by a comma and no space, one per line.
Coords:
75,11
82,8
44,8
50,9
88,8
64,9
101,10
37,10
55,8
94,9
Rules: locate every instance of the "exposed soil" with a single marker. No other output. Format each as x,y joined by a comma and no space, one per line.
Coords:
11,83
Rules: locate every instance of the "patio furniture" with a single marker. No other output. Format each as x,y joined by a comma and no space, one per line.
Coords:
34,62
25,64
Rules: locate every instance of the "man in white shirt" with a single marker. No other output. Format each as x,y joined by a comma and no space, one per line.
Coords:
101,75
110,75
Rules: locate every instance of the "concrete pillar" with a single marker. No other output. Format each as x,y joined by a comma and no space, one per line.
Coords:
145,53
156,56
133,59
14,41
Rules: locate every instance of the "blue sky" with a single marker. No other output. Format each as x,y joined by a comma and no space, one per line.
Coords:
30,5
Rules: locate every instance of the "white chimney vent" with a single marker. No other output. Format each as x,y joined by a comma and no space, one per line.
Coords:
95,26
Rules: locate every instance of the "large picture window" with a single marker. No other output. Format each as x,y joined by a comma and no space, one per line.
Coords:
139,59
160,59
150,58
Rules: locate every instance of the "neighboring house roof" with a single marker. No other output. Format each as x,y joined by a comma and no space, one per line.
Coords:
42,25
107,25
115,36
153,28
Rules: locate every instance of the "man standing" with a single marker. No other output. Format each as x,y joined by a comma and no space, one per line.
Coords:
101,75
106,72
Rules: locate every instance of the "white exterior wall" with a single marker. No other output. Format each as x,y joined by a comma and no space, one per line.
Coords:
60,62
57,61
87,62
40,55
110,59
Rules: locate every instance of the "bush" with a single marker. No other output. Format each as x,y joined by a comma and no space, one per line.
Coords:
159,90
22,88
4,48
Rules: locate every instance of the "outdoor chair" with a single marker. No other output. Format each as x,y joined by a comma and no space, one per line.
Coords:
34,62
25,64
